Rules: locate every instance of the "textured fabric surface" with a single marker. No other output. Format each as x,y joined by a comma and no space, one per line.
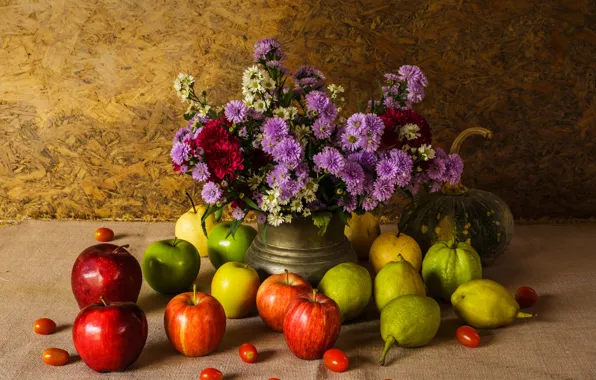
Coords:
36,258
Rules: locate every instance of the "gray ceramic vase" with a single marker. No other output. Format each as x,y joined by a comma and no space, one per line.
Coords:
297,247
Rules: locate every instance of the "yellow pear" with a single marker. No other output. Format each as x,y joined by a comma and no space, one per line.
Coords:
188,227
389,245
361,232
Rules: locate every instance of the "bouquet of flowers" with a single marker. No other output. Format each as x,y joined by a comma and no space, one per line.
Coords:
285,152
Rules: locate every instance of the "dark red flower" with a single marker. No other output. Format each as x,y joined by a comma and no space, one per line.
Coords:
394,119
260,159
213,132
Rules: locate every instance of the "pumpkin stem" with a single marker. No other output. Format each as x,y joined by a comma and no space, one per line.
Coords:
457,143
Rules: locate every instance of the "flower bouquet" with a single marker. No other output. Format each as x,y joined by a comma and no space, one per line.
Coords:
285,151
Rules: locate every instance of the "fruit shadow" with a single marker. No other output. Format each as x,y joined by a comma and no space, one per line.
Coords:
154,301
73,359
63,327
239,331
545,303
122,236
156,352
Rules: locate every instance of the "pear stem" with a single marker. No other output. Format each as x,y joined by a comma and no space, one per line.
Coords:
388,344
287,277
120,247
194,293
191,202
521,314
103,300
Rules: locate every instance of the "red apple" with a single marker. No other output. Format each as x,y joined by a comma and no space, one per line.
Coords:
274,296
106,270
110,336
311,325
195,323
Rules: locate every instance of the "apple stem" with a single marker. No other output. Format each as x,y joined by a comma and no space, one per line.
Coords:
287,277
120,247
194,293
174,242
103,300
191,202
314,295
388,344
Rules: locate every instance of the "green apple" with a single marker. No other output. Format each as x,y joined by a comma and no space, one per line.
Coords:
350,286
171,266
233,248
235,286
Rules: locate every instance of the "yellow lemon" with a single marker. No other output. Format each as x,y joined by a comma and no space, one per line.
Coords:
389,245
362,232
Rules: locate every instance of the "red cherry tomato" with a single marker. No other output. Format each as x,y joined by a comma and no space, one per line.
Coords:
526,297
104,234
467,336
274,378
55,356
248,353
335,360
44,326
211,374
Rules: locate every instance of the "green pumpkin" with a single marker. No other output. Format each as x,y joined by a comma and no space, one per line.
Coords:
447,265
478,218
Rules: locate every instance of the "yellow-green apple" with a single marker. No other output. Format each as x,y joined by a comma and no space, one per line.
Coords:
171,266
274,296
195,323
350,286
235,286
311,325
188,227
110,336
106,270
224,249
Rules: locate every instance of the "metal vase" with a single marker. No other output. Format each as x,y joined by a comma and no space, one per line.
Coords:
298,247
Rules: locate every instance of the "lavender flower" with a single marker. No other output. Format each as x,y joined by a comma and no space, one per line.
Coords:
180,152
288,190
236,111
243,133
412,75
350,141
356,121
301,172
415,95
200,172
349,203
268,48
369,203
322,129
436,169
275,127
261,218
392,77
309,77
383,189
288,151
211,193
374,124
353,176
367,160
181,134
196,120
278,176
238,213
405,164
329,113
454,167
316,101
329,159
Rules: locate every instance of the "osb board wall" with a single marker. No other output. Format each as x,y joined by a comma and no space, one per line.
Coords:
87,110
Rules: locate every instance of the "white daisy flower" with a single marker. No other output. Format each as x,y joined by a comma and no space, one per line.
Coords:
409,131
426,152
275,220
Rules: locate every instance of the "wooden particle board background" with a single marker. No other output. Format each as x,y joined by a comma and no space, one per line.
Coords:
87,109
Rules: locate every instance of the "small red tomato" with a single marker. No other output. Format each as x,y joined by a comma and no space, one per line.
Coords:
104,234
526,296
248,353
335,360
44,326
211,374
274,378
467,336
55,356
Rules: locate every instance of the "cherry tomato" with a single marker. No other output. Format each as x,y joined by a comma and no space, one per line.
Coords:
248,353
44,326
211,374
335,360
55,356
104,234
274,378
526,297
467,336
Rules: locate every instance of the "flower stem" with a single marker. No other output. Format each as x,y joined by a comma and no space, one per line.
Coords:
194,209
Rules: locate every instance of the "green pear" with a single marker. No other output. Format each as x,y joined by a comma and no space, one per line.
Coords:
350,286
409,321
397,278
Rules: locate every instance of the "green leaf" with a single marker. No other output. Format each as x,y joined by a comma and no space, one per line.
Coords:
321,220
251,203
218,214
234,227
342,216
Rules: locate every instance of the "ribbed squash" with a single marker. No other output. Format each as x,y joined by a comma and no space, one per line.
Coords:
476,217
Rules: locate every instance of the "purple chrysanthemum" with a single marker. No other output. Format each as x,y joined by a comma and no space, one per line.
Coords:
356,121
315,205
275,127
238,213
415,95
454,166
180,152
383,189
353,176
308,76
367,160
322,129
329,113
197,120
200,172
390,102
289,189
181,134
369,203
349,203
261,218
268,48
278,176
436,169
236,111
288,151
412,74
211,193
329,159
316,101
243,133
351,141
391,77
374,124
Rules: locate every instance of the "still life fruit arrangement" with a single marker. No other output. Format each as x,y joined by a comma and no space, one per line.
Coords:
285,153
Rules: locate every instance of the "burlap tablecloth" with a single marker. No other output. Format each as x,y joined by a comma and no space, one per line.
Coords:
36,258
